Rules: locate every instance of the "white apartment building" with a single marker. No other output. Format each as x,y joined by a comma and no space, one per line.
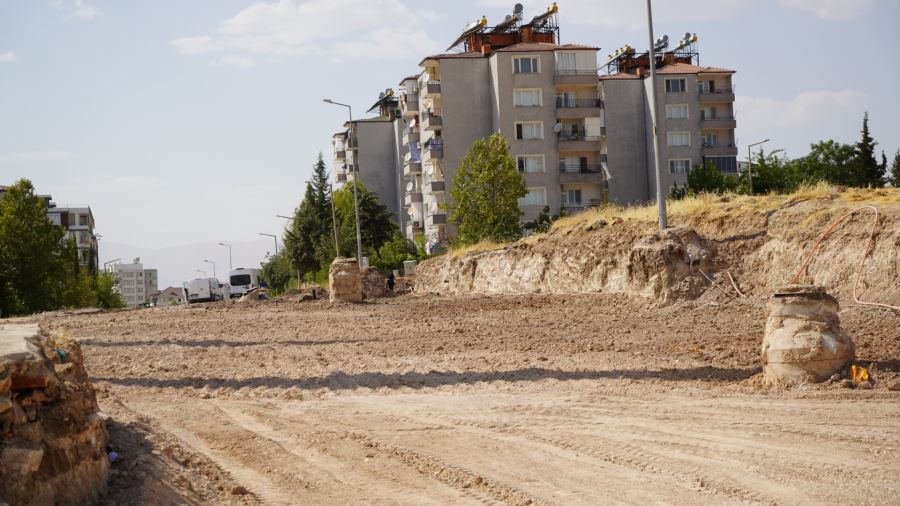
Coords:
134,283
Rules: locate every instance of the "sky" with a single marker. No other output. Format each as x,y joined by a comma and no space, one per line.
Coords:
184,123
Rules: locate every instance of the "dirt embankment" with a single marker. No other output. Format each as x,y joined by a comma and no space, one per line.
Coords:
760,241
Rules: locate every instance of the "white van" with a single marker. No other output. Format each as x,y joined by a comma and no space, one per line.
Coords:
205,290
243,280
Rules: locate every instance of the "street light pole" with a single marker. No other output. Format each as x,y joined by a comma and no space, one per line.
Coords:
750,163
660,198
214,267
275,237
202,272
355,178
230,265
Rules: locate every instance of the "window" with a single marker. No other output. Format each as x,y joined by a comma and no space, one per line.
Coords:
533,130
708,113
530,163
679,166
527,98
525,65
710,139
535,197
679,138
574,164
723,163
707,86
565,99
675,85
571,197
565,61
677,111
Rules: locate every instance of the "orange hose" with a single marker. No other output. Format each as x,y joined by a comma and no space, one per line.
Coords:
862,262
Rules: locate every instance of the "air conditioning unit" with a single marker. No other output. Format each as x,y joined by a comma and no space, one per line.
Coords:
417,224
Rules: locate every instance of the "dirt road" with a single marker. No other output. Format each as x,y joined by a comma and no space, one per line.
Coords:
588,399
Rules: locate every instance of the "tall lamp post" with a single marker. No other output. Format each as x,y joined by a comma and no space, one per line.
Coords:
230,265
660,198
202,272
275,237
750,162
355,178
214,267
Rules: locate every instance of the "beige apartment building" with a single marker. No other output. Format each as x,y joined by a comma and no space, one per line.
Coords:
135,284
696,120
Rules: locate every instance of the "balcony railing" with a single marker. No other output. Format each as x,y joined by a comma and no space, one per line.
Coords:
576,72
578,102
718,90
575,168
704,118
434,143
577,136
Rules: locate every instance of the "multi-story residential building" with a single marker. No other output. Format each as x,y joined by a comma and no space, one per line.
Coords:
695,120
517,80
134,283
368,148
78,222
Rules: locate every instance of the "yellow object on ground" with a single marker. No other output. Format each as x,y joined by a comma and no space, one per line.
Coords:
859,374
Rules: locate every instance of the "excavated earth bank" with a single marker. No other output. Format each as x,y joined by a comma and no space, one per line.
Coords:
759,241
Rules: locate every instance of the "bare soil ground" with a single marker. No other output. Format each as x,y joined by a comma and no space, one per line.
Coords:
540,399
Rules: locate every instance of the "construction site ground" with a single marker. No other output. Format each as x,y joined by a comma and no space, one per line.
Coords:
531,399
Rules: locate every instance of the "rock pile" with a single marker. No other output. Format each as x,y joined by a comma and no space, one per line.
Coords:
344,280
374,283
52,435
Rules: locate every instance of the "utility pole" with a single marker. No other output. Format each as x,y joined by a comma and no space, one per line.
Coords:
750,162
230,265
355,179
660,198
275,237
214,267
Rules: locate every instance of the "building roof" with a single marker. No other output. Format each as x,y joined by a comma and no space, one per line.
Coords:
407,78
686,68
376,119
449,56
544,46
619,76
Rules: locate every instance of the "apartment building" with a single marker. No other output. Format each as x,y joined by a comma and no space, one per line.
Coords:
78,222
368,148
134,283
695,120
515,79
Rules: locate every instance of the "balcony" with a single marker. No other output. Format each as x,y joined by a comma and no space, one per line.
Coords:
722,94
413,228
576,77
436,219
412,196
578,173
340,154
433,150
719,149
435,187
410,136
432,89
412,168
577,207
431,120
720,122
341,177
409,104
578,141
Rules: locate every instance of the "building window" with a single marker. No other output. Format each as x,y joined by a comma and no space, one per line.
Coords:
679,166
710,140
679,138
535,197
565,61
571,197
527,98
708,113
526,65
723,163
707,86
530,163
675,85
531,130
677,111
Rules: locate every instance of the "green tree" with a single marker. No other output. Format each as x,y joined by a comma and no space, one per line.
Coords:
322,198
277,272
107,297
376,223
866,170
894,177
830,161
31,264
304,235
485,193
706,178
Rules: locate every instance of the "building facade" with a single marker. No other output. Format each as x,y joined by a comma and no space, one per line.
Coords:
78,222
134,283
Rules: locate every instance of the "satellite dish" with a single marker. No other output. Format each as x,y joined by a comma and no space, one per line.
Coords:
557,128
508,17
518,9
380,95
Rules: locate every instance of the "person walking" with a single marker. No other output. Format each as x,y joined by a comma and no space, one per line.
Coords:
391,281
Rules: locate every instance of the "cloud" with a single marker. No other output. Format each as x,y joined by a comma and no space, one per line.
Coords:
8,57
808,117
632,15
342,29
17,157
233,60
836,10
85,11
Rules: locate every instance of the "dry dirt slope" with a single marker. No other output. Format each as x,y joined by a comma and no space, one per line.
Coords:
759,240
541,399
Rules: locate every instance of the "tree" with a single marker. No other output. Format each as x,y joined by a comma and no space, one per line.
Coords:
830,161
865,168
894,177
31,264
304,235
277,271
485,193
376,222
706,178
107,297
322,198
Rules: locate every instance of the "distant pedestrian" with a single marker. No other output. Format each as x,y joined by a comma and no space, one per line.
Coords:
391,281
